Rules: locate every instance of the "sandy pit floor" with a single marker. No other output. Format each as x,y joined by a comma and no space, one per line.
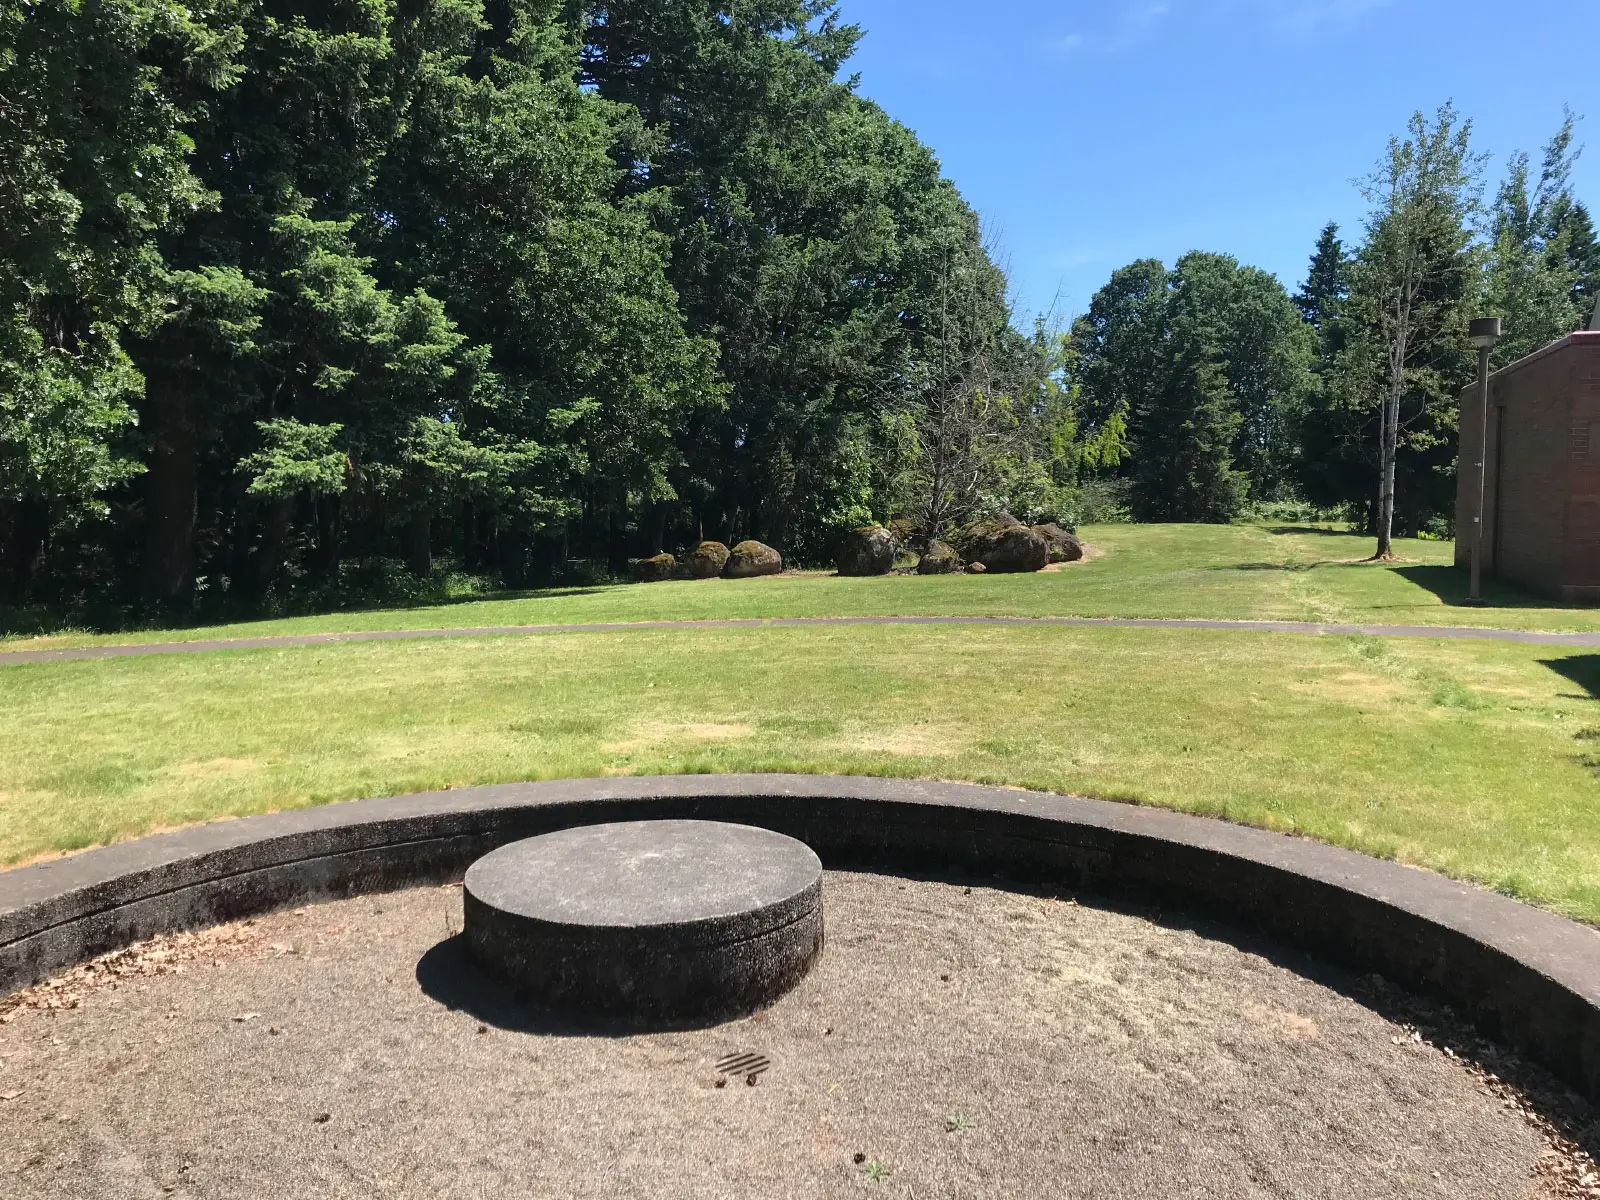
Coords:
952,1042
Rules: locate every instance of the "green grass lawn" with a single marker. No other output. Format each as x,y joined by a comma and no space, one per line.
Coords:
1476,759
1230,571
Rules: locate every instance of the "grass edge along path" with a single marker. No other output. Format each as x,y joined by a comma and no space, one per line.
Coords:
1472,758
1226,572
1446,632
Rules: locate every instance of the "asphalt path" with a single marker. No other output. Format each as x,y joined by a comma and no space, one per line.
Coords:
1447,632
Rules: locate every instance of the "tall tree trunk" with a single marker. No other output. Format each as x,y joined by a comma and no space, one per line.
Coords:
269,551
328,535
616,543
663,511
24,532
1390,436
477,537
419,551
171,496
511,556
1386,477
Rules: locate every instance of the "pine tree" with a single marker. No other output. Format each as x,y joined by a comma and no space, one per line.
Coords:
1330,466
1582,251
1184,430
1182,464
1327,282
1533,276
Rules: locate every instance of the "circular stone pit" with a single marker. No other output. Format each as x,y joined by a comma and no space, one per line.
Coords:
958,1039
647,923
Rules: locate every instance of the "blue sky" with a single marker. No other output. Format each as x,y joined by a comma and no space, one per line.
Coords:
1091,134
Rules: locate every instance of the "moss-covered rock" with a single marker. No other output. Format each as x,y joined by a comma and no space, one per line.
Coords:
970,539
1001,543
1060,546
655,569
750,558
940,558
1016,549
869,550
706,560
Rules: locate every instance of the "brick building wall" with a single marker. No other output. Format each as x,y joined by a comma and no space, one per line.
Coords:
1542,472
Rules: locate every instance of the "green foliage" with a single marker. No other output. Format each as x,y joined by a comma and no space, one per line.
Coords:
1327,282
1208,367
60,414
528,282
1184,471
523,285
811,236
297,458
1264,350
1377,433
1402,355
95,98
1535,271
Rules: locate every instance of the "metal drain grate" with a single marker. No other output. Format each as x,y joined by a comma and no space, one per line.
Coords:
744,1063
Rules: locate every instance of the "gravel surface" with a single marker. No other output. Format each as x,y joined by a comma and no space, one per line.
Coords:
952,1042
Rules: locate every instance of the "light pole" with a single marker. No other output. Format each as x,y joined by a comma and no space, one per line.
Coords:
1483,333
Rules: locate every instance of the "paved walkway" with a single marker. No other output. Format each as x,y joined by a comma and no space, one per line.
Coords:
1455,632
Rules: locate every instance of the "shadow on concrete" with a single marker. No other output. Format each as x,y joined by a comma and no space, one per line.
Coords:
446,974
1581,669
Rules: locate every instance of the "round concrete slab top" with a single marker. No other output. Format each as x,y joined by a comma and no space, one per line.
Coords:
648,922
636,874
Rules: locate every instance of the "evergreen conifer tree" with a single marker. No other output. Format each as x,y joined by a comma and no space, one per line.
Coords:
1327,282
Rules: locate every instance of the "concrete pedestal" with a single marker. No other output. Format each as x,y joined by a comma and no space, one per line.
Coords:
648,923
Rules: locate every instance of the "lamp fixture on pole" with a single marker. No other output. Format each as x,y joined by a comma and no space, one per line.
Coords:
1483,333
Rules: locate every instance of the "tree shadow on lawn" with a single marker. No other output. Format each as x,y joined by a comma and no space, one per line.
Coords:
41,622
1314,529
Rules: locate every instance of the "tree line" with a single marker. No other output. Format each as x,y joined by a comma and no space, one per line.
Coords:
301,305
291,292
1222,387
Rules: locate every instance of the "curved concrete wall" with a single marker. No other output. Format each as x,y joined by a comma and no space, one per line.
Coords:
1527,977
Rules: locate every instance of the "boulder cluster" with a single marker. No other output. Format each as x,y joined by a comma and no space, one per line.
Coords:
710,560
999,544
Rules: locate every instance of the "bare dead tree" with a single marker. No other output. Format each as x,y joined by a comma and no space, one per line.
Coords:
961,398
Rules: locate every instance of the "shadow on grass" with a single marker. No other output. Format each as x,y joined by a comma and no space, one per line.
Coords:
1316,529
1581,669
1451,583
1296,568
39,622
